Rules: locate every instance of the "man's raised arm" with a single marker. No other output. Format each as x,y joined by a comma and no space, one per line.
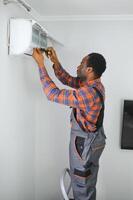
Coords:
61,73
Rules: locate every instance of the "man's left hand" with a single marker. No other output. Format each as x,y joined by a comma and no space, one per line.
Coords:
38,56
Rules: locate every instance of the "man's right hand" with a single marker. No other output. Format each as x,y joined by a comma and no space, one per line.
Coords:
51,53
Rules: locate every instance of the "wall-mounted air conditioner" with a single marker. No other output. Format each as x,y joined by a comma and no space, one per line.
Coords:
26,34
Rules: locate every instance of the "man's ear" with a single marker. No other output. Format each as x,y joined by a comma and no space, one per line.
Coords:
89,69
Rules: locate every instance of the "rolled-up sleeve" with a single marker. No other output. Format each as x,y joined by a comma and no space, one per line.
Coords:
75,98
66,78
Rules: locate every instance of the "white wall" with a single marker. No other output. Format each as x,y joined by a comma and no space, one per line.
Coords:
18,87
114,39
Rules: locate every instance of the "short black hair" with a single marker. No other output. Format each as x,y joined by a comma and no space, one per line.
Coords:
97,62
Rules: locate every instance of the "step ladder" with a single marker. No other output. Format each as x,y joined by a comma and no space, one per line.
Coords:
65,192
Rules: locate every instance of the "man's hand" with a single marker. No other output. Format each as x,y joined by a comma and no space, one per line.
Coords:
38,56
52,55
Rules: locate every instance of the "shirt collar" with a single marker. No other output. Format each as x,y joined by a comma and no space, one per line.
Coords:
92,82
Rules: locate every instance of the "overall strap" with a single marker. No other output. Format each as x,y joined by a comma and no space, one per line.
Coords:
99,122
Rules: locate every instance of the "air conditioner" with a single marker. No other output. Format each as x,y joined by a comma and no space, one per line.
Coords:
24,35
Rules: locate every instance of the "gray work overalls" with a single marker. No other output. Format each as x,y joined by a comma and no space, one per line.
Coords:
85,149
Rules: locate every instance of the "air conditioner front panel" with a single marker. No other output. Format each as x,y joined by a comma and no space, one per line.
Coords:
20,36
25,34
39,37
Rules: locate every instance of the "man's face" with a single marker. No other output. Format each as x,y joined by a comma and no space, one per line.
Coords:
82,69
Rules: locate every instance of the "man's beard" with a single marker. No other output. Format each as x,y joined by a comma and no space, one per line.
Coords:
81,77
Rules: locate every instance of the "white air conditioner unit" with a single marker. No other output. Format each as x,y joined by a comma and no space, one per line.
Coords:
26,34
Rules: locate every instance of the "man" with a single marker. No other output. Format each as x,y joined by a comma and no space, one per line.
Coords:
87,138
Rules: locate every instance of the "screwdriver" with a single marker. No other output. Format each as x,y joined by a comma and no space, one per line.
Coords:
42,50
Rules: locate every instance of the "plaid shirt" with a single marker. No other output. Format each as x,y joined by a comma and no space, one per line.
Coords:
83,97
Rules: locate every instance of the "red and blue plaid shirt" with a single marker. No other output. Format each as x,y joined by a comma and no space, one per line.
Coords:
83,97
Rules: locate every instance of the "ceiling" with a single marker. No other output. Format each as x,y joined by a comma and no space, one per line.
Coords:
82,7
